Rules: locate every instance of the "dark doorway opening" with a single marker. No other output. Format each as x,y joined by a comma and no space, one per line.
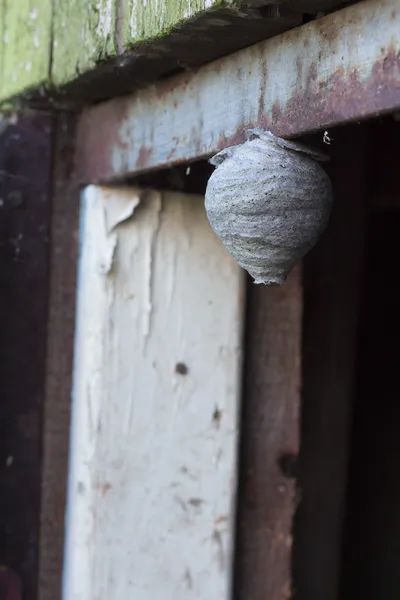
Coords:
371,544
347,526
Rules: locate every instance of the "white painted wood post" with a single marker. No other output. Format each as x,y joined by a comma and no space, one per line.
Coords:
152,480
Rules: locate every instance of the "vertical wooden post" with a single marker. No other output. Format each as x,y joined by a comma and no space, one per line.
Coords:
270,441
152,486
60,341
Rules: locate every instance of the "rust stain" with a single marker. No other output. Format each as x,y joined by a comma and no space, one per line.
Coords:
344,96
237,138
171,153
329,30
98,132
103,487
312,74
261,101
144,156
221,519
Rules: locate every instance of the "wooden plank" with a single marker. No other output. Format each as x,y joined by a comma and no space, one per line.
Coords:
100,48
26,45
280,80
332,280
199,36
83,36
60,339
270,441
155,403
129,42
25,193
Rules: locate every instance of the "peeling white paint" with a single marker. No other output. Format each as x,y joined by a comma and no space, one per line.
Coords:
150,510
118,207
149,267
116,210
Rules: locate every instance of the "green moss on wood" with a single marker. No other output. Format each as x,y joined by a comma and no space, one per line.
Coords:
49,43
148,19
26,42
88,32
84,34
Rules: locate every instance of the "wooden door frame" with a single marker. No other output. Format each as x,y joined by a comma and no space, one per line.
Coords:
337,69
155,129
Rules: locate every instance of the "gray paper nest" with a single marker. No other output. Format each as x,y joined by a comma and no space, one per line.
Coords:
268,200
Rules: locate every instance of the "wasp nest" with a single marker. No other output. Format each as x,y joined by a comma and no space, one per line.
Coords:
268,200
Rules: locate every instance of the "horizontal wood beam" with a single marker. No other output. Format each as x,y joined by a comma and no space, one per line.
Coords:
68,51
336,69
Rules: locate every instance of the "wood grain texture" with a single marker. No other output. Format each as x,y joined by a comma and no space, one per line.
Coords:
60,339
332,274
154,128
96,49
25,43
83,36
25,201
155,403
270,441
150,40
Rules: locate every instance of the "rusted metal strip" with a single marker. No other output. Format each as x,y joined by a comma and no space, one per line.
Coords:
343,67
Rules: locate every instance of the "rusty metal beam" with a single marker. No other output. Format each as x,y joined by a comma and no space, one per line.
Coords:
340,68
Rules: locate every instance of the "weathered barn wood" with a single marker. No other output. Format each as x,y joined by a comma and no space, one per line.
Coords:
270,441
340,68
152,487
88,50
60,340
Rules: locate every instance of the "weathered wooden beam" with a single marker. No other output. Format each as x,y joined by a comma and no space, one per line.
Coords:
25,45
99,48
56,403
332,70
270,431
133,36
152,483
